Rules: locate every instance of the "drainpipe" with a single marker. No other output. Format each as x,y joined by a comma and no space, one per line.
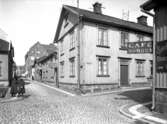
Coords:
154,59
78,34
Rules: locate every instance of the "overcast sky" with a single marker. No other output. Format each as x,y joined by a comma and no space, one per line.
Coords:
29,21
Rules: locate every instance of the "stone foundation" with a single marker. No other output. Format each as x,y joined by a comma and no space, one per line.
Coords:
86,88
161,101
141,84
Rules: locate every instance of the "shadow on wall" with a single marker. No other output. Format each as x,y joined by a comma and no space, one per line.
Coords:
139,96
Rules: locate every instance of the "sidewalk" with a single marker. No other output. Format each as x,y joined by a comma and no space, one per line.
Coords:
143,113
74,93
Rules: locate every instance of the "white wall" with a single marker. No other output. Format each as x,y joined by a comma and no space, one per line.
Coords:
90,60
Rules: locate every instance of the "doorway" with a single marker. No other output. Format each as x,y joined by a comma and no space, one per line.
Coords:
124,72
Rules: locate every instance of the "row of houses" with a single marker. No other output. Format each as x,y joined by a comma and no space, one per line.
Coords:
41,62
100,52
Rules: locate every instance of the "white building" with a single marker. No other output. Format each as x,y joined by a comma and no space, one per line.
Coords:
106,57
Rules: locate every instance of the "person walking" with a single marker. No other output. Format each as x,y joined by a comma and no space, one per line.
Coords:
13,90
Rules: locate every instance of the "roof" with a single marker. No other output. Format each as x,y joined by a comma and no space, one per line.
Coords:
103,19
151,4
4,45
43,58
50,48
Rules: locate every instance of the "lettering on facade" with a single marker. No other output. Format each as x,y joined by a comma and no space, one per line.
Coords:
139,47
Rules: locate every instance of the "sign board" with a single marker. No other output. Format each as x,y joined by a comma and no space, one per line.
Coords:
140,47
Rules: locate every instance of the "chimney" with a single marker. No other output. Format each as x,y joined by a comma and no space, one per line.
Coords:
97,8
142,20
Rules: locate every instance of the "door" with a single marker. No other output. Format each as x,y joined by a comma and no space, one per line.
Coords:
124,75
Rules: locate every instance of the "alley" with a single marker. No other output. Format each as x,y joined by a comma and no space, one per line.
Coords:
43,105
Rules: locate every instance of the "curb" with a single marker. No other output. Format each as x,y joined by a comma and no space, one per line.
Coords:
134,108
11,99
57,89
139,116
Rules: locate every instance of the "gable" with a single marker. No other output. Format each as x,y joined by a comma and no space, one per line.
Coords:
69,21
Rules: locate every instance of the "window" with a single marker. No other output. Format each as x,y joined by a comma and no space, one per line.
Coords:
102,37
102,66
0,68
124,39
72,40
140,68
61,46
72,67
66,20
62,69
151,68
140,37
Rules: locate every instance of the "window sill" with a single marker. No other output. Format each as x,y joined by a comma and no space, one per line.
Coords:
72,76
102,46
138,76
102,75
61,76
61,54
123,48
71,49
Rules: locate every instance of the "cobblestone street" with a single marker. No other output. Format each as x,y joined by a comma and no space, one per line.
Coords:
43,105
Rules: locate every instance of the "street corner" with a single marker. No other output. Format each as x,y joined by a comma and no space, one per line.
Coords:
142,113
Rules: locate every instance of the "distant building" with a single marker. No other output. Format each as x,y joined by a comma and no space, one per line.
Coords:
20,70
160,21
107,52
37,51
46,68
3,35
6,61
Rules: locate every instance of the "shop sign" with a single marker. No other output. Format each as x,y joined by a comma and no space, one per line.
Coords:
139,47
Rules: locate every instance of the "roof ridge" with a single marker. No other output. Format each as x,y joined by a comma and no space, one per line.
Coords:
80,9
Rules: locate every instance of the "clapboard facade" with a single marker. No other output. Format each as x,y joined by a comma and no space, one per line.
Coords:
97,51
160,21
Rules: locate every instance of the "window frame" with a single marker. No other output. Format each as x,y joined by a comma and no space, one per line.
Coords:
62,69
0,68
62,47
124,36
103,40
102,69
72,67
140,68
72,39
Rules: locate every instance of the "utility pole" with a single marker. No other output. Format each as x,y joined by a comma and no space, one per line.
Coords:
78,35
154,58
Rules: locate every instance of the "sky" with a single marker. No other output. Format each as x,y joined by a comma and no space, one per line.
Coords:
29,21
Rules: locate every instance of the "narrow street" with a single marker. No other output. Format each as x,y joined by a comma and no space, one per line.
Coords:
43,105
